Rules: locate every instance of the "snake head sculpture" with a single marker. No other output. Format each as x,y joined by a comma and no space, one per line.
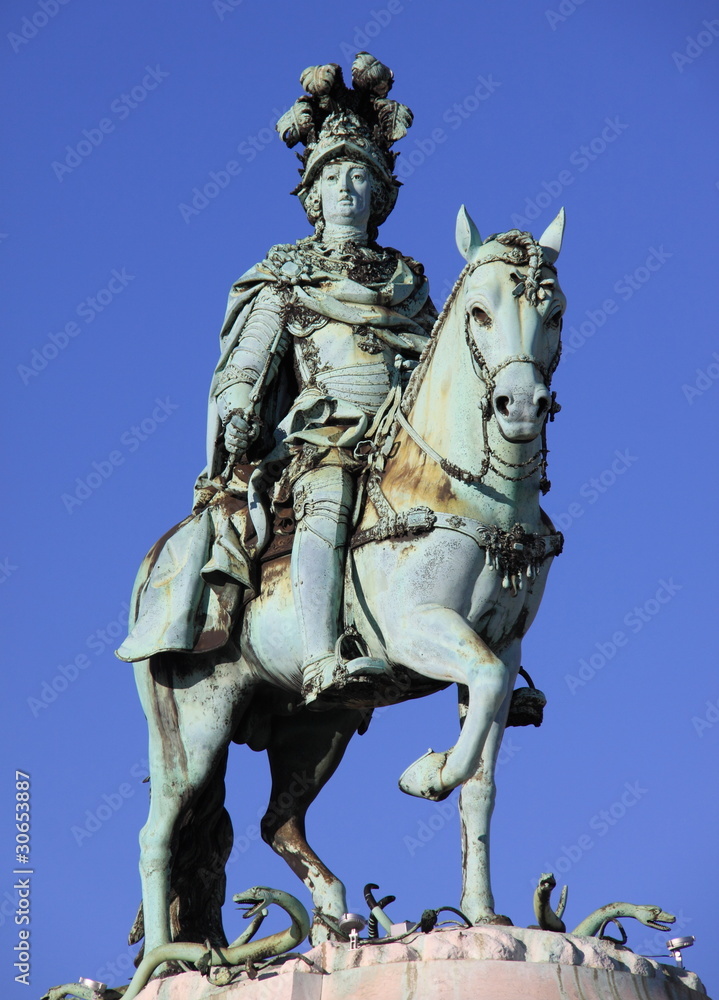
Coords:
650,916
547,881
653,917
547,918
258,898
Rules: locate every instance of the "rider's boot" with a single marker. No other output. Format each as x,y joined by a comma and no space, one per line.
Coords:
322,502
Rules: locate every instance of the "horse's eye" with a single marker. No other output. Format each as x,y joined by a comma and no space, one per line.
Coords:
555,321
480,316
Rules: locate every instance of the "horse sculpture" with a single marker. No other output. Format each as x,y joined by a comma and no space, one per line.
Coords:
445,574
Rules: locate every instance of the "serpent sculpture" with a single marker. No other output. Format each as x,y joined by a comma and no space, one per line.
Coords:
595,923
241,950
547,918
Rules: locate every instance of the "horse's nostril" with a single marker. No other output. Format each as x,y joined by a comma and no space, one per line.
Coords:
502,404
542,406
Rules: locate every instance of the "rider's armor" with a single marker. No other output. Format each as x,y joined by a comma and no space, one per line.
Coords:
344,372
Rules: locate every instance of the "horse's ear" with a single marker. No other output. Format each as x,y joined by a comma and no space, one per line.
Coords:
467,235
551,239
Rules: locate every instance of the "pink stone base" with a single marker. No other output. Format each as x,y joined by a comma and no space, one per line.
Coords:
479,963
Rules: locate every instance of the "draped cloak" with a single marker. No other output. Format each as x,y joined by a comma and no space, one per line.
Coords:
192,584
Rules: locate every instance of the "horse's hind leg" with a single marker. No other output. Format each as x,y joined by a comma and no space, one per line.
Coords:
192,707
304,753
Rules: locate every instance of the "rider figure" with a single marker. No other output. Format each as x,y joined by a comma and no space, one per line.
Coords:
349,308
315,338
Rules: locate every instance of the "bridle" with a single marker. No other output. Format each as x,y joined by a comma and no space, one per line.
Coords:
487,375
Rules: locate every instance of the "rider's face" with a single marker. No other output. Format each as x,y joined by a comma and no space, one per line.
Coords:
346,191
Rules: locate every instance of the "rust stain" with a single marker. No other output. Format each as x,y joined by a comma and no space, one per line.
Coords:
273,573
412,477
164,708
210,640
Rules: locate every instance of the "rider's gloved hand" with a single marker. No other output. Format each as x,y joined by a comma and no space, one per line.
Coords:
235,410
239,433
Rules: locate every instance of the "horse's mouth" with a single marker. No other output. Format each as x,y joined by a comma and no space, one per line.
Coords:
519,431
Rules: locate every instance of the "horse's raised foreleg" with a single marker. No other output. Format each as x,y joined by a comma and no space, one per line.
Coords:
304,753
439,643
476,804
192,708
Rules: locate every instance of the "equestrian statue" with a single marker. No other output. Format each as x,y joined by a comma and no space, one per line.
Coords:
367,529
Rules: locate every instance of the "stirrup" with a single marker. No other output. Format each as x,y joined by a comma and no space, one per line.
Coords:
357,665
366,665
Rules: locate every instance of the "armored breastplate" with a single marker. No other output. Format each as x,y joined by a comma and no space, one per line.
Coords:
333,357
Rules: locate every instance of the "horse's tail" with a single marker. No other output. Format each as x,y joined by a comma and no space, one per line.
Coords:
197,880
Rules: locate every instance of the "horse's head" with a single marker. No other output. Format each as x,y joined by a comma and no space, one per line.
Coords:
513,307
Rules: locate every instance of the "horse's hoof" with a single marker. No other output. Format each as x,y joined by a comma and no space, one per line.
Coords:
424,777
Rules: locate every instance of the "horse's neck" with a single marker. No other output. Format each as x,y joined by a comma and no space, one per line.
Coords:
447,414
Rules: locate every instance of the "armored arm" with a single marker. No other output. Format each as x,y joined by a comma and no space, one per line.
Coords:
251,366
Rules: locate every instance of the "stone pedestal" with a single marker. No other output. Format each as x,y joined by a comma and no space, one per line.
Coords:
496,963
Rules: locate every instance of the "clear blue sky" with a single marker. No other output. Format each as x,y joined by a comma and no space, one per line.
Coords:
114,114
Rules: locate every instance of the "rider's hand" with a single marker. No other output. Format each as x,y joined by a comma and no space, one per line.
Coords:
232,405
238,434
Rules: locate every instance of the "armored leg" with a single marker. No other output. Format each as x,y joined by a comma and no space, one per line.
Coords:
323,504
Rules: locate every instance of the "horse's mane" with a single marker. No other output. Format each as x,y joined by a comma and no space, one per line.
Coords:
410,393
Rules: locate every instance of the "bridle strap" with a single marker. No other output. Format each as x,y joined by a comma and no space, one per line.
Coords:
418,439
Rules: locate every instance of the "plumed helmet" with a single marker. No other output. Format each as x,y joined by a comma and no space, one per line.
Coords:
334,122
